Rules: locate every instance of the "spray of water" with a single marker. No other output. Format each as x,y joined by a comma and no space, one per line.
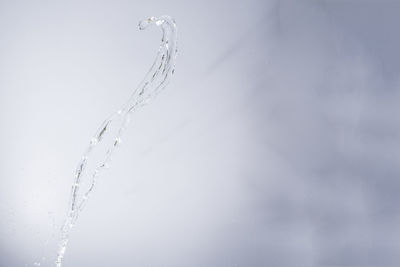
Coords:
108,136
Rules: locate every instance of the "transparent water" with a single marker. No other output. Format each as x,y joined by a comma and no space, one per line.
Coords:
108,136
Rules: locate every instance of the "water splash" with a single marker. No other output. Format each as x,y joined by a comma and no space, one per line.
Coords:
108,136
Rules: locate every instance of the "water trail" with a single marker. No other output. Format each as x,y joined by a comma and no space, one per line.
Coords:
98,153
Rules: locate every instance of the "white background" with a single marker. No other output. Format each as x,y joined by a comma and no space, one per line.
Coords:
275,144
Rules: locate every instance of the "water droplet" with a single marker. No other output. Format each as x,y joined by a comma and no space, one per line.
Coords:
94,141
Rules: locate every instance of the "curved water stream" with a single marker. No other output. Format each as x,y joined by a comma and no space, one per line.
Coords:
108,136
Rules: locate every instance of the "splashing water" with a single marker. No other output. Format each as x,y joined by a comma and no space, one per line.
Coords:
99,152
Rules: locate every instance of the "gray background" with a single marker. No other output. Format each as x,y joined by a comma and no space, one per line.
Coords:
276,143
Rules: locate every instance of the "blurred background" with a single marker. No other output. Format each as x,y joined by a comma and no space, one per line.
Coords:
275,144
